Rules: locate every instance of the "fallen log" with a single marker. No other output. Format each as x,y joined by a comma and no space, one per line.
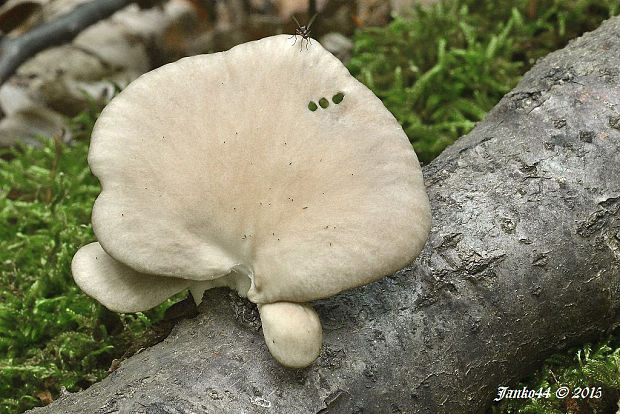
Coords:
523,261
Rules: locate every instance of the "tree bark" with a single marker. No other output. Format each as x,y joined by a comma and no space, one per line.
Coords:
523,261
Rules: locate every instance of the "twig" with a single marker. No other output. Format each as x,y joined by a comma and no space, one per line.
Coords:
58,150
311,8
15,51
531,9
554,377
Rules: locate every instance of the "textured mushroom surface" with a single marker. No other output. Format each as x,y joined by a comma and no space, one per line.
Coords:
267,169
216,162
119,287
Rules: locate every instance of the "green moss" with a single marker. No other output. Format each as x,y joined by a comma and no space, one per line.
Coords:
591,373
51,334
440,69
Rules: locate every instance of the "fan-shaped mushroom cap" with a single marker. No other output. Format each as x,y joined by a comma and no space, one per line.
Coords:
221,170
216,161
117,286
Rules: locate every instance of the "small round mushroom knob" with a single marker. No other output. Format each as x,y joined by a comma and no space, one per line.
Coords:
292,332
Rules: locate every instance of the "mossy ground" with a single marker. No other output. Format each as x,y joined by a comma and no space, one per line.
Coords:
590,372
51,334
439,70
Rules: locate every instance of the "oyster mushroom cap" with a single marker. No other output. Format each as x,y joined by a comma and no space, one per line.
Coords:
117,286
215,162
267,169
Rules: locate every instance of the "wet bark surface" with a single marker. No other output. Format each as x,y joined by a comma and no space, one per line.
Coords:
523,261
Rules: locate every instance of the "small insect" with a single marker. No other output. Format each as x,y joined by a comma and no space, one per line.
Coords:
303,31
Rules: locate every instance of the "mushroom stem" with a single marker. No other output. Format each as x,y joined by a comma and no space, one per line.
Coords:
239,280
292,332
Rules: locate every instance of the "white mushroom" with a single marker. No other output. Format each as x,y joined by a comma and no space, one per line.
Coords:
119,287
292,332
216,172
